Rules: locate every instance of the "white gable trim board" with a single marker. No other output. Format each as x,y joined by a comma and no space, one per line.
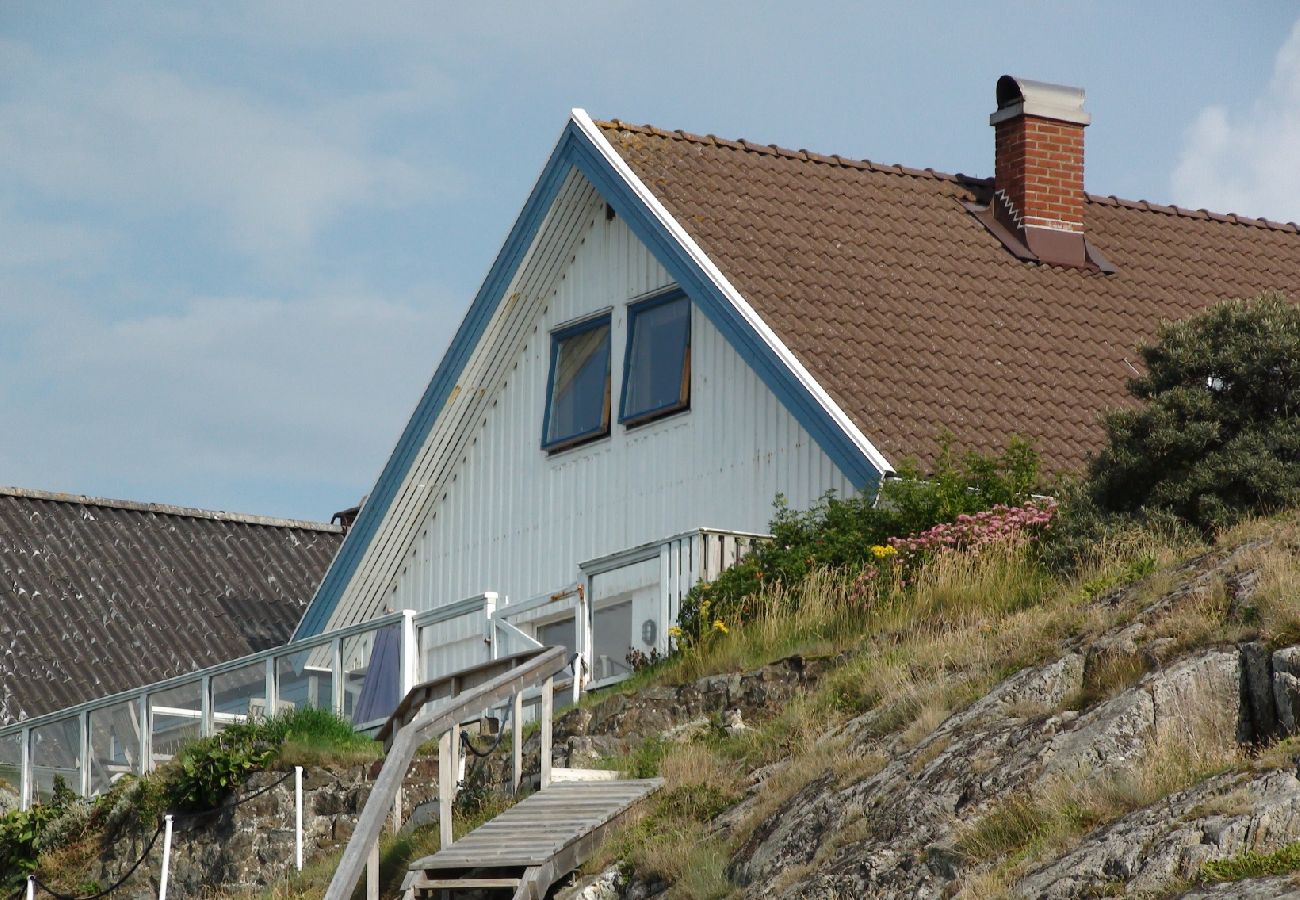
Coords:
389,555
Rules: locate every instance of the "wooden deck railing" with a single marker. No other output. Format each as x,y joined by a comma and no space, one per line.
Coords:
415,722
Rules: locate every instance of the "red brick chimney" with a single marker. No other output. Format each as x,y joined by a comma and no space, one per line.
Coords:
1038,170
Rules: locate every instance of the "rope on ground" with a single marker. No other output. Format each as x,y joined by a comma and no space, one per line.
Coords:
42,886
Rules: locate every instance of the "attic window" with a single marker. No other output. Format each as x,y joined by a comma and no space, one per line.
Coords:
577,390
657,365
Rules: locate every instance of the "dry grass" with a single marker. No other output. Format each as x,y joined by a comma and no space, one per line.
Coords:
1030,828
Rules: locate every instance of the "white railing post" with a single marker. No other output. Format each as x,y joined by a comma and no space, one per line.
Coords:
410,667
446,788
665,601
548,703
25,789
83,727
490,599
336,663
270,704
31,887
297,800
146,735
207,721
167,856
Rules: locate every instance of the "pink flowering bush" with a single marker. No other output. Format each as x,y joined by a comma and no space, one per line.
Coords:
1002,525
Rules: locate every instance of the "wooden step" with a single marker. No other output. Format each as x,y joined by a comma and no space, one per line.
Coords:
463,884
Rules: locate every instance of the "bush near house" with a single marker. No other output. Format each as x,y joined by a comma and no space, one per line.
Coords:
1217,436
849,534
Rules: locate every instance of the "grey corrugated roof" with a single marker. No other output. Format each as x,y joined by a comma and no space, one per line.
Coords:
99,596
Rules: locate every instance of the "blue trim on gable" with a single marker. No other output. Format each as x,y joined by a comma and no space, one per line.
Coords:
573,150
440,386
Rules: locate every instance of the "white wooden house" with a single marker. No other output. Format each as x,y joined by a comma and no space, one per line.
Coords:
609,417
680,328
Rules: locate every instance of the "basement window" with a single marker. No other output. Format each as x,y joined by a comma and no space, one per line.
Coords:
578,389
657,365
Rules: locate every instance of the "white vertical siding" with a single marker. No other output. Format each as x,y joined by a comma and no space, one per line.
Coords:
510,518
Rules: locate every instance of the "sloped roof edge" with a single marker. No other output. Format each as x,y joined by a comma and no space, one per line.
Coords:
584,147
166,509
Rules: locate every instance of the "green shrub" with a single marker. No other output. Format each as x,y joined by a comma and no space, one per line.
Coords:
1218,434
839,532
23,833
205,771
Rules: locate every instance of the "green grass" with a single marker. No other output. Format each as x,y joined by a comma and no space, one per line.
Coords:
1253,865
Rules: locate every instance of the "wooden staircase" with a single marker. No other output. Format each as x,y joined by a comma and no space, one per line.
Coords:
533,844
528,847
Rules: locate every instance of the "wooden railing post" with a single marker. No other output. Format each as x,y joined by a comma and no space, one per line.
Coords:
517,740
446,788
372,872
548,703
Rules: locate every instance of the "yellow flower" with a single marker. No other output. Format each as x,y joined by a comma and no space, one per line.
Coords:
880,551
674,631
719,625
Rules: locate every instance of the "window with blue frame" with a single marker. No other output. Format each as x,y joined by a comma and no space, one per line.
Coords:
657,366
578,389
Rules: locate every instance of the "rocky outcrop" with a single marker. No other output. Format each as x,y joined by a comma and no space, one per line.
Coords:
897,832
1152,848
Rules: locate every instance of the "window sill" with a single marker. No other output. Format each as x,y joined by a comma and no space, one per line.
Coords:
657,416
575,444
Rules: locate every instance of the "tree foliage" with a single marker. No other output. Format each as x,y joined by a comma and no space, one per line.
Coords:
1218,433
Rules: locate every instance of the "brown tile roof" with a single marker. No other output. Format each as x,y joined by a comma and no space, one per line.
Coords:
916,319
99,596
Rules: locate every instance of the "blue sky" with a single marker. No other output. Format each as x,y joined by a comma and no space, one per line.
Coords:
235,238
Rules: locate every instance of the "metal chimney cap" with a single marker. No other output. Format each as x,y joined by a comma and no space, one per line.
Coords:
1022,97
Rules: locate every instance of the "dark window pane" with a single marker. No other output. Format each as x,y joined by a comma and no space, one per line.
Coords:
579,402
559,634
658,378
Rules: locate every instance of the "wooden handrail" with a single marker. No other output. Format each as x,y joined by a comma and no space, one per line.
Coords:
434,720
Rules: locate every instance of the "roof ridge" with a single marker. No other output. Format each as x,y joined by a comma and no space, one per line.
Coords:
958,178
802,155
166,509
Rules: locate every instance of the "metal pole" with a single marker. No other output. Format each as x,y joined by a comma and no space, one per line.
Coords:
26,790
31,887
167,856
297,797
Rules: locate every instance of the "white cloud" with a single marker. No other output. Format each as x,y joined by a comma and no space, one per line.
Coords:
1243,159
257,389
149,142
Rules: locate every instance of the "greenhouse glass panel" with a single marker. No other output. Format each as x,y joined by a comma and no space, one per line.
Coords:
114,743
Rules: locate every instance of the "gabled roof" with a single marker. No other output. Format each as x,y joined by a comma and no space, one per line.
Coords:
100,596
916,319
868,298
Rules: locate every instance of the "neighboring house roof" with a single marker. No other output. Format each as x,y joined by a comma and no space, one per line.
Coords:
916,319
100,596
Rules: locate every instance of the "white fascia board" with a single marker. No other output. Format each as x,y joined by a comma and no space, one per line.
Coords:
706,265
